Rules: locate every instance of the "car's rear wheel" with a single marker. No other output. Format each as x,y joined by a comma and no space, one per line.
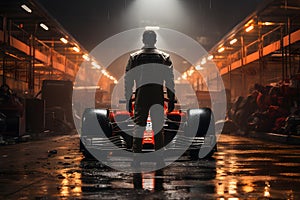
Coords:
201,121
91,120
95,127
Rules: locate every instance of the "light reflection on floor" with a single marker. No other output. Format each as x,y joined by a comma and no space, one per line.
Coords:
242,169
70,184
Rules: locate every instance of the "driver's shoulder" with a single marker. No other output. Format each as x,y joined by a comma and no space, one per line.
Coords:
164,54
136,53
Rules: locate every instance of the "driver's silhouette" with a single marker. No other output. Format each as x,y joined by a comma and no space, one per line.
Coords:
151,64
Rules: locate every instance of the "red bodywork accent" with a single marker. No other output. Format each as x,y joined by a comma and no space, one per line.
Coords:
148,133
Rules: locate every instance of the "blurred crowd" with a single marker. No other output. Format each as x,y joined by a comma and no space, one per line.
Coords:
270,108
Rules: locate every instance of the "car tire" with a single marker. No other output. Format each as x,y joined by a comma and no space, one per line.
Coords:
91,120
203,119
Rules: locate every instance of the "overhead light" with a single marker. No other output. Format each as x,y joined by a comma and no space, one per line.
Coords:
104,72
221,49
44,26
210,57
198,67
219,57
26,8
39,65
85,87
76,49
249,22
14,56
250,28
184,76
95,65
190,72
266,23
86,57
115,82
203,61
152,28
233,41
64,40
277,55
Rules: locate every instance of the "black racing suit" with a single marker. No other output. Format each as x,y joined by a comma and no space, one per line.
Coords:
149,69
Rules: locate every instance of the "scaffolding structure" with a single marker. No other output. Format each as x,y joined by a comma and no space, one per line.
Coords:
35,47
264,48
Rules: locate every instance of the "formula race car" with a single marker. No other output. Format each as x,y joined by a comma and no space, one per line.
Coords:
179,131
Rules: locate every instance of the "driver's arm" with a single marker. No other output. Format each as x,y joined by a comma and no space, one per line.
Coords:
129,79
169,81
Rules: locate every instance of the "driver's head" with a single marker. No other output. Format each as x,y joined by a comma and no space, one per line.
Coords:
149,38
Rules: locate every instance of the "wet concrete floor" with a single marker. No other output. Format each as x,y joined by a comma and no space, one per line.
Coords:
243,168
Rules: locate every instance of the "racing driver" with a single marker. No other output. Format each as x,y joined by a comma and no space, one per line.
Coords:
150,69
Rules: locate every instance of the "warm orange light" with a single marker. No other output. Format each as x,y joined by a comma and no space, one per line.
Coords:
267,23
250,28
95,65
233,41
86,57
221,49
105,73
249,22
190,72
76,49
210,57
64,40
219,57
184,76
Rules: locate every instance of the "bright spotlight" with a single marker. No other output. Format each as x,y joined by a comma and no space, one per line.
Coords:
76,49
152,28
221,49
26,8
233,41
198,67
64,40
46,28
250,28
210,57
86,57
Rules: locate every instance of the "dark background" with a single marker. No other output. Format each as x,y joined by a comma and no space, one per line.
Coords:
92,21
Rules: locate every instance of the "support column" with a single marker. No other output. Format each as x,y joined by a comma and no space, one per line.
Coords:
289,48
3,69
31,65
261,56
282,55
230,77
4,28
243,77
